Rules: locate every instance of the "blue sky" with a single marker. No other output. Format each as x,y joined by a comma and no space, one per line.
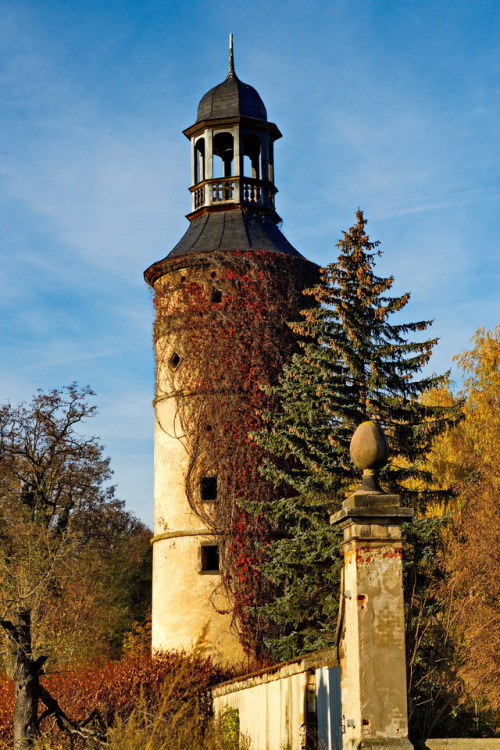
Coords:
387,105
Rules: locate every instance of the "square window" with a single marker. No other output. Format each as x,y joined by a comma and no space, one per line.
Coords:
210,558
216,296
208,489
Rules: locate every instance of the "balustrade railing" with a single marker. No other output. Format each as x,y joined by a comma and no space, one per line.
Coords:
199,197
222,190
252,191
245,190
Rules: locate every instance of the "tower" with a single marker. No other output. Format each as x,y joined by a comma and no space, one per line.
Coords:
223,296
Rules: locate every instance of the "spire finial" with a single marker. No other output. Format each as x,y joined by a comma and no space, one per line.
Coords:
231,55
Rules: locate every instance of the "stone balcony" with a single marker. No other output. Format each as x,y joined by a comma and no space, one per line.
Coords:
245,191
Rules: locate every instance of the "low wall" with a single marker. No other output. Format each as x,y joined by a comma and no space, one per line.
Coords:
281,707
459,744
276,707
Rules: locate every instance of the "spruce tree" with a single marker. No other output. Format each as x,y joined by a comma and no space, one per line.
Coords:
354,364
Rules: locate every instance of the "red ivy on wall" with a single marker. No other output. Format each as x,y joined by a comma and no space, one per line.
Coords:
225,316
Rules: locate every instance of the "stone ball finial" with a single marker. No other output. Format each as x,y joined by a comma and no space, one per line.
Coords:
369,451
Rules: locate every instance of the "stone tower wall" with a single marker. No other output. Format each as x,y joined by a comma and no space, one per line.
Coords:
189,606
208,351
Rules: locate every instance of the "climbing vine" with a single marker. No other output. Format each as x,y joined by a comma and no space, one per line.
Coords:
222,338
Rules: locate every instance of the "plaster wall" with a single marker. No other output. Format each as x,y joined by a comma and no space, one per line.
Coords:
271,708
172,509
189,606
373,683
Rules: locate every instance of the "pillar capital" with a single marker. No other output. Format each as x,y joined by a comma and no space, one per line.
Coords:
372,519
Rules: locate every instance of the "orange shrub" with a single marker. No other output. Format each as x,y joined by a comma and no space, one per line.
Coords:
6,709
115,687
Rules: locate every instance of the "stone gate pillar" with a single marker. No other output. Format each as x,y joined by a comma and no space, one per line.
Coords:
374,704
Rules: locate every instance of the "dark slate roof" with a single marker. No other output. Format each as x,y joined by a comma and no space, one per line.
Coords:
232,230
231,98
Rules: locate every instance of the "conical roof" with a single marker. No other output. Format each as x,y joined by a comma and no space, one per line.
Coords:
233,231
226,231
231,98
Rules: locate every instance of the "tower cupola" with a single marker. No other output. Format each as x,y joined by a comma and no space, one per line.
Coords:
232,153
232,178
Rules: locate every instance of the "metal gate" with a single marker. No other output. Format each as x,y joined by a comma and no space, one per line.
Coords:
329,708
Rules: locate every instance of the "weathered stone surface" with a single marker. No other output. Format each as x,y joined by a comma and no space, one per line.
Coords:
458,744
374,744
373,667
186,605
369,446
365,500
374,685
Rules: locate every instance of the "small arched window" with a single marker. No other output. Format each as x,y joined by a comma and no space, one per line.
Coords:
252,156
199,160
224,149
270,166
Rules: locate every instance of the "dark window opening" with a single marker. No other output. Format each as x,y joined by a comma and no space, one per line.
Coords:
213,274
199,160
252,156
270,166
210,558
216,296
174,361
208,489
223,148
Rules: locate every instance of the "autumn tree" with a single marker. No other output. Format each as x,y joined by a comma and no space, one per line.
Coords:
58,515
355,364
451,561
468,457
